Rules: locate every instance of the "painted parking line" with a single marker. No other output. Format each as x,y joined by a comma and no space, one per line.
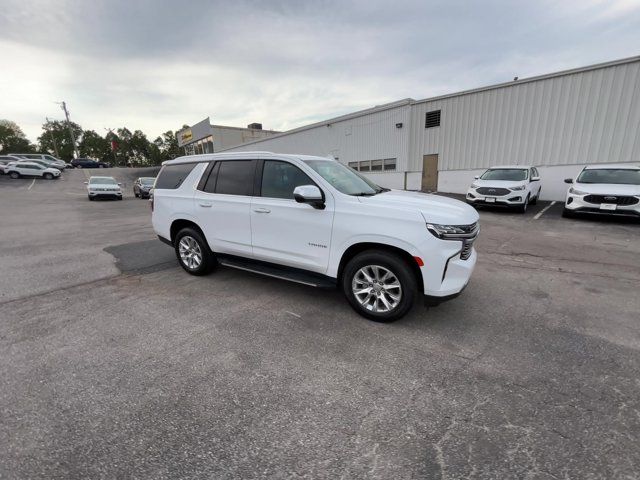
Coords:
544,210
34,181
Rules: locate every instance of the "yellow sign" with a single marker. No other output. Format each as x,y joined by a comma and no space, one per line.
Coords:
186,135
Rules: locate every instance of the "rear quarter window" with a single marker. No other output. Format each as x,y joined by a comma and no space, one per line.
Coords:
172,176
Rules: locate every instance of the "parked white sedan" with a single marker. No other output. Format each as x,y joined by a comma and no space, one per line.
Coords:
604,189
30,169
514,186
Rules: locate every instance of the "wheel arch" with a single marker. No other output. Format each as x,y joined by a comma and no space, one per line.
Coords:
181,223
357,248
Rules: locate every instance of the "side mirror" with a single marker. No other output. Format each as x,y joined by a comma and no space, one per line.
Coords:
535,179
568,180
309,194
476,177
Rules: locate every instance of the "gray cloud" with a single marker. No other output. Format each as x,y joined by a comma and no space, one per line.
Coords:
155,65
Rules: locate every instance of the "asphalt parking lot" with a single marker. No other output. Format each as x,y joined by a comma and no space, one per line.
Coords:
117,364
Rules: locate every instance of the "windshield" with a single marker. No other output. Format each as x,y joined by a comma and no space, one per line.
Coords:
344,179
147,181
510,174
621,176
103,181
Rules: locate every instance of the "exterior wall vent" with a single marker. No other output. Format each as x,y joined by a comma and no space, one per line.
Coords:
432,119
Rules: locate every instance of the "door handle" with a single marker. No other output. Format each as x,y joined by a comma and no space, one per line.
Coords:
205,204
262,210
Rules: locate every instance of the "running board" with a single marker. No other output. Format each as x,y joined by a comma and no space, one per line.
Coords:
277,271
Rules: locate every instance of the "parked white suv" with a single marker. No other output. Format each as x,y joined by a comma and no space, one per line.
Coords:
30,169
604,189
43,157
514,186
315,221
103,187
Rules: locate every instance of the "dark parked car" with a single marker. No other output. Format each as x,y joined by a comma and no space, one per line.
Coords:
142,186
89,163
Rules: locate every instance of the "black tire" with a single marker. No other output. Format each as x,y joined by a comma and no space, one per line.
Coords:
534,200
566,213
90,198
100,166
14,175
135,194
208,258
48,176
523,208
394,264
79,166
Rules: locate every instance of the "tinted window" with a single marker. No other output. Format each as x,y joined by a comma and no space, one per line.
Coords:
279,179
172,176
510,174
235,177
620,176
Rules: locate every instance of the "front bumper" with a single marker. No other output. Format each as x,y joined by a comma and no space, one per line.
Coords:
577,204
105,194
511,199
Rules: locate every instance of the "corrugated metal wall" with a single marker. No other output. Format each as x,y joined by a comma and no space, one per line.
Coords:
368,137
581,118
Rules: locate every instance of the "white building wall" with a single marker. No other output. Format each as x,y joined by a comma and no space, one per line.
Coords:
368,137
557,122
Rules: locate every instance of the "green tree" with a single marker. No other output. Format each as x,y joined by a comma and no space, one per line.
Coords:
13,139
55,133
95,146
167,145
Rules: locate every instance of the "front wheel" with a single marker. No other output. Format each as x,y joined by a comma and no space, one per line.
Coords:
14,175
566,213
100,166
523,208
48,176
79,166
193,252
379,285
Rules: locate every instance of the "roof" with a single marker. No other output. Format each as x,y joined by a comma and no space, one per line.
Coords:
496,167
618,166
411,101
207,157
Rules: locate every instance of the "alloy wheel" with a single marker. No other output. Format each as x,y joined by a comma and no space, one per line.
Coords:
376,288
190,252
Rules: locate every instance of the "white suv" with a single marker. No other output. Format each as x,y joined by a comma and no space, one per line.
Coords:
604,189
30,169
103,187
315,221
514,186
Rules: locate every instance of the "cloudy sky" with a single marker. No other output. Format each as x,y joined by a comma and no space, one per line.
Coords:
155,65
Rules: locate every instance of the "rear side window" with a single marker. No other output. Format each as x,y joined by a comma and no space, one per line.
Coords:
172,176
235,177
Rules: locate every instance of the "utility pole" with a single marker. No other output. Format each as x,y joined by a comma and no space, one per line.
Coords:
111,144
53,139
63,105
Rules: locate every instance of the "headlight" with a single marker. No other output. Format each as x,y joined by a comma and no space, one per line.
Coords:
577,192
519,187
474,185
441,231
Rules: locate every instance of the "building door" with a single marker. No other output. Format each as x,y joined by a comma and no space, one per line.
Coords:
430,173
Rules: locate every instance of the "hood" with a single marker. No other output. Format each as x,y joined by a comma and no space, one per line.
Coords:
607,188
500,183
104,185
434,208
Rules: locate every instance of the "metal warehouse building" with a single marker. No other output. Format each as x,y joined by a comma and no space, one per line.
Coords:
558,122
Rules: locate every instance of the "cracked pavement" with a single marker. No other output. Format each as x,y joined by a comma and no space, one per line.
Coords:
117,364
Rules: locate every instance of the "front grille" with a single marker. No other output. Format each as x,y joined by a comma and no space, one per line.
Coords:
618,200
496,192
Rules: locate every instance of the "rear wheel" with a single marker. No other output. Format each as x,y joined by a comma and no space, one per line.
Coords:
193,252
379,285
14,175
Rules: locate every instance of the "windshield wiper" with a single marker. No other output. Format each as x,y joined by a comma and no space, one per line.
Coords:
363,194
